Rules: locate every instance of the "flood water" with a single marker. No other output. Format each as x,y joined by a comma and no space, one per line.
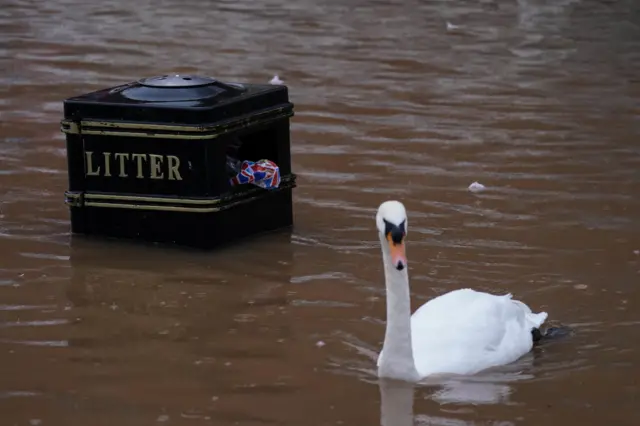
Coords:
538,100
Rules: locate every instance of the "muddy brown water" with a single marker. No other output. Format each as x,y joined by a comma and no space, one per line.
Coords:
537,100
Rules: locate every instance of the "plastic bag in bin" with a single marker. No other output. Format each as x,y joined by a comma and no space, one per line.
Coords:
262,173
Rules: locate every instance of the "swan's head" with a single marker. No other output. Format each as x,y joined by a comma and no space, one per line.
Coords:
391,220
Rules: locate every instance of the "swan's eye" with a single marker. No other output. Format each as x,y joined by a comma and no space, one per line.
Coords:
394,233
388,226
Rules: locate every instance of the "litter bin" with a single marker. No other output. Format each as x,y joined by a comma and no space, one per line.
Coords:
179,159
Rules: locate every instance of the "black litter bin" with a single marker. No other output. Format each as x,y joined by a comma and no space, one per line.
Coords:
149,160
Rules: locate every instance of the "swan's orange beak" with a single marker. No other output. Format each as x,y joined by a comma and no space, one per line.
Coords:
398,256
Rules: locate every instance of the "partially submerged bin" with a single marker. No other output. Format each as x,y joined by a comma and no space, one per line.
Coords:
148,160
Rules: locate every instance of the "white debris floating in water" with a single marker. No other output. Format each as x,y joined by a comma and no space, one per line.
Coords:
451,27
276,80
476,187
320,343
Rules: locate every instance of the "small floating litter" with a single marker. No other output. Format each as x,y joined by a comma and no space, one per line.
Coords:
451,27
276,80
476,187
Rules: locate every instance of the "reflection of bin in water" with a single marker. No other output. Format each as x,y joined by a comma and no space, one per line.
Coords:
153,160
127,290
171,319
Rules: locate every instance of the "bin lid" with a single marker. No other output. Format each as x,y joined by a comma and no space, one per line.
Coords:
177,98
180,88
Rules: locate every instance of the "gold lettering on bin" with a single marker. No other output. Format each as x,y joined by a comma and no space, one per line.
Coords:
174,165
122,156
139,158
107,164
90,171
156,163
152,166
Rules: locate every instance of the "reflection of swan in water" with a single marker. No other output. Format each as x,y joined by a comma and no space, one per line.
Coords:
397,400
461,332
488,387
396,403
397,397
492,386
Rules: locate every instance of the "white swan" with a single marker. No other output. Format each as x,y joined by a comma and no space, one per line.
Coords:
460,332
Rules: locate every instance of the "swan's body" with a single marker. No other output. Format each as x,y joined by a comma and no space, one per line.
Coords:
465,331
460,332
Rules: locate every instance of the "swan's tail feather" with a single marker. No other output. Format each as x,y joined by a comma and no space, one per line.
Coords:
537,319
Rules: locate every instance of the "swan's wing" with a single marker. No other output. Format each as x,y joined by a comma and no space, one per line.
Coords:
461,318
465,331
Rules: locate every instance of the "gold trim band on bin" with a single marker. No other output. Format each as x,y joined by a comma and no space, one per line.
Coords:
161,208
162,203
171,131
158,199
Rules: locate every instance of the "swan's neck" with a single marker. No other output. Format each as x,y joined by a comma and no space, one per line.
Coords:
397,358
